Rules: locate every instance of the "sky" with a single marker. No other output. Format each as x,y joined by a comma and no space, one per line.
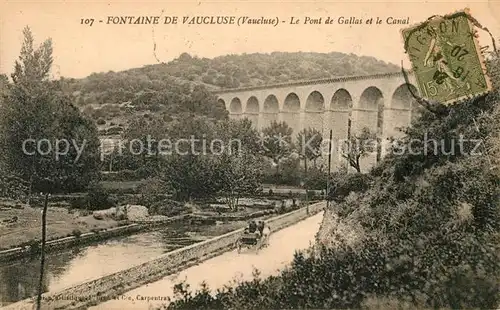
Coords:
80,49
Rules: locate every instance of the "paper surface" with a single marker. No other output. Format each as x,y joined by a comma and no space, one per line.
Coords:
95,37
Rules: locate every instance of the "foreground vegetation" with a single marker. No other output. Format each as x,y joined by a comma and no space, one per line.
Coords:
427,230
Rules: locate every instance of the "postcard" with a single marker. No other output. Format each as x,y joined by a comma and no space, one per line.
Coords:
249,154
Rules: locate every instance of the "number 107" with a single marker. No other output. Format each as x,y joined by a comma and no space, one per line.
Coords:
87,21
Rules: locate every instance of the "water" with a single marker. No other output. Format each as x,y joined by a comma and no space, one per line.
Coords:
223,269
19,280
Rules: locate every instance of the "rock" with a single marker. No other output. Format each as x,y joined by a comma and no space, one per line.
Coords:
130,212
103,214
136,212
98,215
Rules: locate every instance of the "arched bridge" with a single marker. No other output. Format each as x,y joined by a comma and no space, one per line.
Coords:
381,102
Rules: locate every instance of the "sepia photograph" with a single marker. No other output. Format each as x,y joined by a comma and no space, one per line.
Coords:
243,154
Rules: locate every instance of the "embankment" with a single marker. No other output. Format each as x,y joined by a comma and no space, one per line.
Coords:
105,234
93,292
83,239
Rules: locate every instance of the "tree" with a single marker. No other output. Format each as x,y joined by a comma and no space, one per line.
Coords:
189,168
309,145
238,175
277,142
201,101
190,176
239,133
359,146
36,118
149,133
35,110
239,171
4,84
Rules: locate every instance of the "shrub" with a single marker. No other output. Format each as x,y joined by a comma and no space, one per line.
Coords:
167,207
101,121
122,175
76,232
78,203
13,187
316,179
151,191
114,130
356,182
98,198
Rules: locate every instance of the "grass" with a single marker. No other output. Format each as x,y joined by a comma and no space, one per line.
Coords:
60,223
121,185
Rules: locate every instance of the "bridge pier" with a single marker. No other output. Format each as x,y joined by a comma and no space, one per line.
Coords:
254,118
294,120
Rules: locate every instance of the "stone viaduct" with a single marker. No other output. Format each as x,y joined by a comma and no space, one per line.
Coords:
381,102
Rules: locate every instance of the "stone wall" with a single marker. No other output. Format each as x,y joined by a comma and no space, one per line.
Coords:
105,288
84,239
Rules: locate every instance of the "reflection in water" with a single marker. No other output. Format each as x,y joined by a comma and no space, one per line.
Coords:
19,280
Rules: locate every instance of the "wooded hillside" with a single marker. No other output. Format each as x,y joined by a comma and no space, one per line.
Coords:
166,89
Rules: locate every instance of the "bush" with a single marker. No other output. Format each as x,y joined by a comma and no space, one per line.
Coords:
101,121
76,232
13,187
98,198
167,207
151,191
316,179
122,175
114,130
341,188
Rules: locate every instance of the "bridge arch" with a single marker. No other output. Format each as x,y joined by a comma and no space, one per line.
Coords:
404,109
341,99
371,99
291,109
292,103
315,102
222,102
314,111
252,105
235,105
402,98
271,104
271,111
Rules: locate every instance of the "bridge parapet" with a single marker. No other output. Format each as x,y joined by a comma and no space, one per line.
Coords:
315,81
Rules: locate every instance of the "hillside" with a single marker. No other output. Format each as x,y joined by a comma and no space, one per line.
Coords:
163,89
419,231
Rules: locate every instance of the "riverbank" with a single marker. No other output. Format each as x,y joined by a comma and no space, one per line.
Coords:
21,224
191,223
108,287
92,237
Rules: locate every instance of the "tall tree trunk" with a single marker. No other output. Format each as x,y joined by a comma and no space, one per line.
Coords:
305,166
42,252
30,190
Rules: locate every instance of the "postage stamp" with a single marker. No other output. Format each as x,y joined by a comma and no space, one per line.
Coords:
446,58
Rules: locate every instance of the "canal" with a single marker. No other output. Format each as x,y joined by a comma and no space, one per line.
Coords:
19,280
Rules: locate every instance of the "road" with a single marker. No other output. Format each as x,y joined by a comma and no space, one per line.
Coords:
223,269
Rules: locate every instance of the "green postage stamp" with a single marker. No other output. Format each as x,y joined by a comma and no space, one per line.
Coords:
446,58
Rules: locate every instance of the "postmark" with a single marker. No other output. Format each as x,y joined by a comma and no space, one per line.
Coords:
446,58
